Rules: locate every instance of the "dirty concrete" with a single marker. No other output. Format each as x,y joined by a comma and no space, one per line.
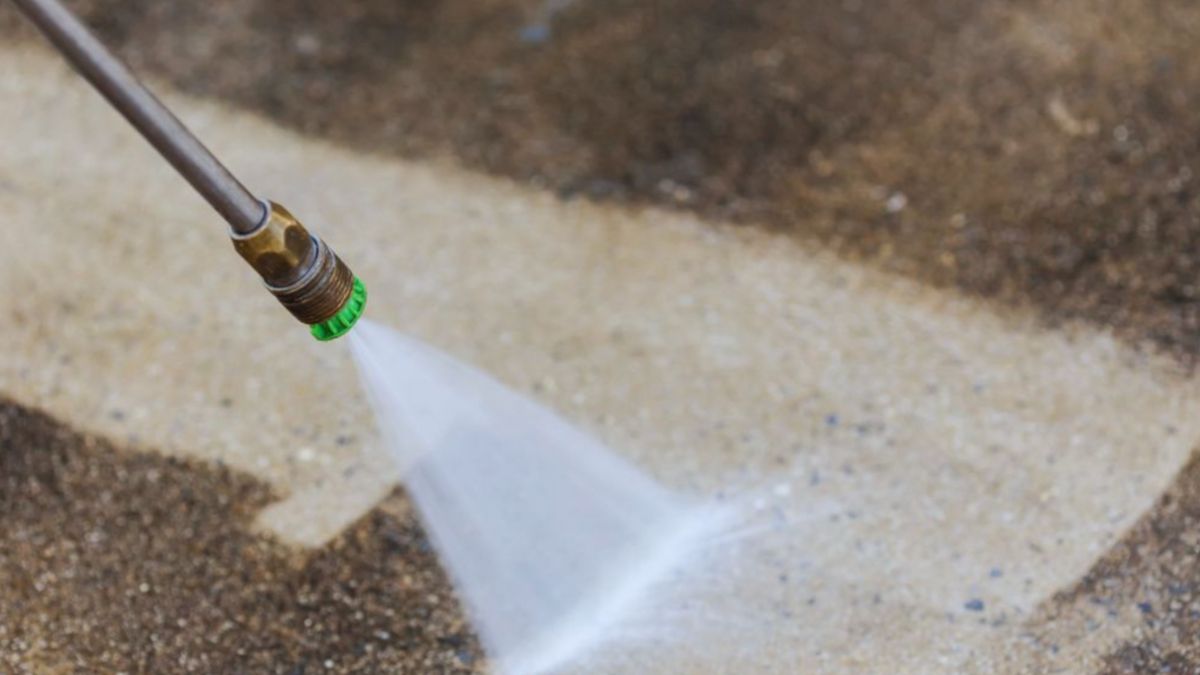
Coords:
132,561
950,439
1038,152
1137,610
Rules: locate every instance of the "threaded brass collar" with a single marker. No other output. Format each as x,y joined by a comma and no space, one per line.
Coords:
307,277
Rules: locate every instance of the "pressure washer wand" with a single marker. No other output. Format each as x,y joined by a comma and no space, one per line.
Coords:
303,273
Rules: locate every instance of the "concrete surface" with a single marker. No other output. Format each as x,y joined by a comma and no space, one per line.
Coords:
929,439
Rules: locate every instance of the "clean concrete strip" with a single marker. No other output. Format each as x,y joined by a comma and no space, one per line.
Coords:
928,440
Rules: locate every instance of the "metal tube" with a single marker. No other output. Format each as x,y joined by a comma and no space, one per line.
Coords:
146,113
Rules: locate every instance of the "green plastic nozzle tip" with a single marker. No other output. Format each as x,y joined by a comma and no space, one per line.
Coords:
341,323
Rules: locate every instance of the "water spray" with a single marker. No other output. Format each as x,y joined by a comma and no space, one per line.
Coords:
551,539
297,267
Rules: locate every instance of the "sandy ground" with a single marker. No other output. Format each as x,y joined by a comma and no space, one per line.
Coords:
956,467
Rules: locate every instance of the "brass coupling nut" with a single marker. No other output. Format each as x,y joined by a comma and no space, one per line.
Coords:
301,271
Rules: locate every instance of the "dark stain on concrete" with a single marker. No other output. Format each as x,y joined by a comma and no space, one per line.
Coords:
128,561
1044,153
1152,576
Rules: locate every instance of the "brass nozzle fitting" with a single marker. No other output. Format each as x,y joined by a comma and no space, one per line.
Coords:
301,271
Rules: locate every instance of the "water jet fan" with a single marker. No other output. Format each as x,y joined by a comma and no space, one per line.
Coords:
550,538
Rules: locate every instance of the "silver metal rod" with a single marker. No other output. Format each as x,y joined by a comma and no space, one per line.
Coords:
146,113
